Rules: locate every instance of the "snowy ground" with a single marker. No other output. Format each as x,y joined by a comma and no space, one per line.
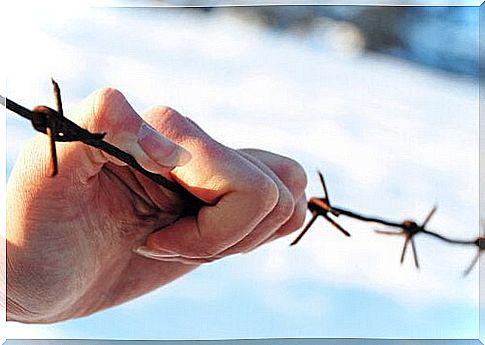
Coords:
392,139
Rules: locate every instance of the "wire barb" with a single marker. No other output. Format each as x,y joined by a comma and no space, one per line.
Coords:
321,207
57,95
325,192
51,130
305,229
480,243
59,128
408,228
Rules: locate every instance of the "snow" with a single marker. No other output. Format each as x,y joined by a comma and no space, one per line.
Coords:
391,137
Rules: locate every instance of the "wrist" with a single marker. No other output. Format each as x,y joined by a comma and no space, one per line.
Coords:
28,298
14,309
15,312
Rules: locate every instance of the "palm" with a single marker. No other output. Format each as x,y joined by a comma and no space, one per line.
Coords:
129,208
106,218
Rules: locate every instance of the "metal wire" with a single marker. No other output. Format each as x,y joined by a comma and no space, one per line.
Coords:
408,228
59,128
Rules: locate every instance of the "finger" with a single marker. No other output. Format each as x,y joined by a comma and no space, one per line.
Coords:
288,170
107,110
240,194
294,177
273,221
294,223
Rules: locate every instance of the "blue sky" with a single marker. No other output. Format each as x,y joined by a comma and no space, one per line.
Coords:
392,138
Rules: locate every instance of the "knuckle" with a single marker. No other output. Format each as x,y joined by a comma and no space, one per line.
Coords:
104,101
169,115
106,96
166,120
293,175
266,193
165,111
170,112
295,222
285,207
299,214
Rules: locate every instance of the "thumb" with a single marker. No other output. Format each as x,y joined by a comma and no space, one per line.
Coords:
107,110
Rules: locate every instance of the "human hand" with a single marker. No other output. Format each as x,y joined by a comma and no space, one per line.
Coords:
72,240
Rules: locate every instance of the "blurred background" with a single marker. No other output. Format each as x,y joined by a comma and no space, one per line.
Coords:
384,100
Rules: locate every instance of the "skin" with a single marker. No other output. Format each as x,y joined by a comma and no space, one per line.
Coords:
100,234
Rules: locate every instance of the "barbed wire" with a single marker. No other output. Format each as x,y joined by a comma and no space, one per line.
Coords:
58,128
321,207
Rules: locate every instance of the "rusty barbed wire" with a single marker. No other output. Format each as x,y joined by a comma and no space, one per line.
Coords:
407,228
60,129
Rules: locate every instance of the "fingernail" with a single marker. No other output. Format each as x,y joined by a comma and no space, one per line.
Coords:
156,254
161,149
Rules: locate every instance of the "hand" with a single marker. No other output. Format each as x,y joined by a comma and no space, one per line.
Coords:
74,241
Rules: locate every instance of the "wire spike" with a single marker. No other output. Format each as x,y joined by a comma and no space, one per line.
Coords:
335,224
305,229
57,96
322,181
428,217
404,249
415,254
54,167
472,264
